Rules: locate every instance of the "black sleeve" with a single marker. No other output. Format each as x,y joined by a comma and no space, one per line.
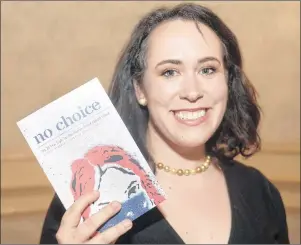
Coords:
52,221
279,214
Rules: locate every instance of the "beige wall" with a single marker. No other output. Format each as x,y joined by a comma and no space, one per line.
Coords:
49,48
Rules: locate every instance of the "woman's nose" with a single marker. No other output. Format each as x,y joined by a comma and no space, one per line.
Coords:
193,96
191,90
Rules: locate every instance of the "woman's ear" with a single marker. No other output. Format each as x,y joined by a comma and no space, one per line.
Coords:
140,95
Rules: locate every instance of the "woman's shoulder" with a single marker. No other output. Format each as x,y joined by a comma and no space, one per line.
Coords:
256,196
254,187
244,172
249,178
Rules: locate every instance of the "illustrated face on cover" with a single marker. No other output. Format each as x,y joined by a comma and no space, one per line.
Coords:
118,176
128,184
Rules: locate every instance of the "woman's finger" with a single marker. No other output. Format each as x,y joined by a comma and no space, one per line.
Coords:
112,234
73,215
89,226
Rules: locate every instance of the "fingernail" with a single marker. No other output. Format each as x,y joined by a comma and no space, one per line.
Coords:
116,205
127,223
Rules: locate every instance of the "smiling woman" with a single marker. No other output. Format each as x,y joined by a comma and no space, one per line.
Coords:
186,81
180,88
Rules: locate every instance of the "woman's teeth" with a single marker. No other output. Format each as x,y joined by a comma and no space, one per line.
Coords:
190,115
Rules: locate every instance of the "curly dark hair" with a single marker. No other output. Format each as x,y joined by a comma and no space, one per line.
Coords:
238,131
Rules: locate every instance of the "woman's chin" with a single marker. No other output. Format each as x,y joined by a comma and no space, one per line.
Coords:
187,144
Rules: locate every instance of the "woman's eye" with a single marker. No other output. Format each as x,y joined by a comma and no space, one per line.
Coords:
207,71
169,73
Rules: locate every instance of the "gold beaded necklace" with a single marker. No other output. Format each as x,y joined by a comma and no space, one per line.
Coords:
186,172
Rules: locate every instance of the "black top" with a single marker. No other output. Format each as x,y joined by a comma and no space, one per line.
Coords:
258,214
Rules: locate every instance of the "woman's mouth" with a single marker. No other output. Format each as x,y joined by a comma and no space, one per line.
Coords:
191,117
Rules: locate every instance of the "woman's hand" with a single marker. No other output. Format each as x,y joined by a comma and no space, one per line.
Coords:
71,232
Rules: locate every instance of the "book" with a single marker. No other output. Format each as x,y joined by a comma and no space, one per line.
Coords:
82,144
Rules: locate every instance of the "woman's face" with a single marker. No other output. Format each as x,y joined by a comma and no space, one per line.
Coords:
185,83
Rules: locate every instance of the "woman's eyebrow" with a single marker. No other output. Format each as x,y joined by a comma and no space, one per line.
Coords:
179,62
208,58
169,61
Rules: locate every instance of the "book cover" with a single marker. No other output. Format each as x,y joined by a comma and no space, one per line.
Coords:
82,144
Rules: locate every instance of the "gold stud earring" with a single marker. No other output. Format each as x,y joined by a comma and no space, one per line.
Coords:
142,102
